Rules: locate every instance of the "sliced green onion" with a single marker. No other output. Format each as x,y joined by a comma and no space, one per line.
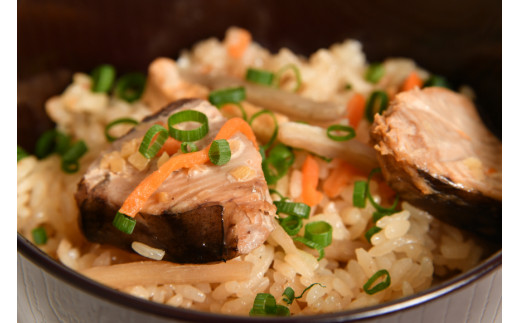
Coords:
149,149
296,71
437,80
117,122
374,72
277,163
50,142
289,293
370,232
124,223
311,244
45,144
39,235
319,232
188,147
130,86
75,151
275,131
186,116
259,76
351,133
292,208
219,152
377,103
228,95
379,287
360,193
264,304
70,166
21,153
103,77
378,207
291,224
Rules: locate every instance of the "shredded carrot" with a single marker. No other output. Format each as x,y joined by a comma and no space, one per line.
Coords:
355,109
412,81
339,177
310,177
237,41
136,200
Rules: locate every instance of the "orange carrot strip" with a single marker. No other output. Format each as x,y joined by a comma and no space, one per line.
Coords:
339,177
310,177
412,81
237,41
136,200
355,109
237,124
171,146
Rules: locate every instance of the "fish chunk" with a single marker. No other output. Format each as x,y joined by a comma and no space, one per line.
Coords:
204,214
436,152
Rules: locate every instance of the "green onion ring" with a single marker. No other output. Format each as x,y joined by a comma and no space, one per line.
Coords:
124,223
21,153
374,73
259,76
289,295
264,304
75,152
275,131
370,106
370,232
311,244
277,164
116,122
188,147
359,194
45,144
130,86
219,152
292,208
149,149
39,235
103,77
228,95
351,132
378,207
185,116
379,287
291,224
296,74
70,167
319,232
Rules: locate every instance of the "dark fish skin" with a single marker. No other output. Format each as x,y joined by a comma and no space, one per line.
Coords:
210,230
414,139
195,236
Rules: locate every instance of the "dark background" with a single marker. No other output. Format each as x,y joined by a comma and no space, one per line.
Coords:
461,40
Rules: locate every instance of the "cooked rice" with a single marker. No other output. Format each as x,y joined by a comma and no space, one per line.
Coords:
413,246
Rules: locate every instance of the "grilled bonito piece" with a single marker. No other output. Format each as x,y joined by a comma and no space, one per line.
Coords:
436,152
202,214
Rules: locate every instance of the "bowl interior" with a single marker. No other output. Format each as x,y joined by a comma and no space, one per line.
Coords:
460,40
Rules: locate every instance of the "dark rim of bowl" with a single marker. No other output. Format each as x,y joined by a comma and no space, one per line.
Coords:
53,267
